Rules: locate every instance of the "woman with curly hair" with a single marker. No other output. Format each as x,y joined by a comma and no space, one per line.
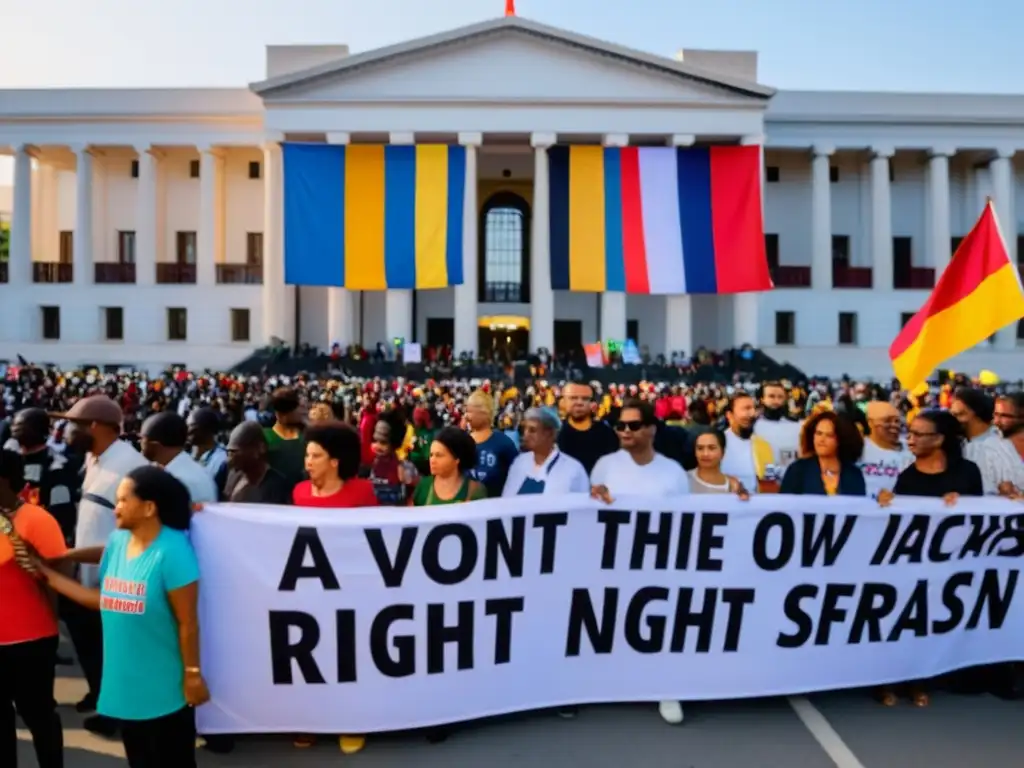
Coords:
830,446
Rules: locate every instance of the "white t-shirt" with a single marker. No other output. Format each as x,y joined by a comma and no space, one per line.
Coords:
881,467
739,460
784,438
192,474
560,473
622,476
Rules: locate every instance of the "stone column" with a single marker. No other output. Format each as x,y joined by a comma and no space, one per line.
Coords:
940,233
1003,182
45,237
146,237
745,324
341,309
542,297
612,324
83,238
19,268
466,295
881,219
278,301
398,315
206,237
821,218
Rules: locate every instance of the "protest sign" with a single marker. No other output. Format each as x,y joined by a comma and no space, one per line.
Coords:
355,621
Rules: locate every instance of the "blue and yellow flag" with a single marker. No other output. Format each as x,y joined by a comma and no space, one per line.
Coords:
371,217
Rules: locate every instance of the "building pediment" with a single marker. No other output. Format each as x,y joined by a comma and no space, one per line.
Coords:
510,60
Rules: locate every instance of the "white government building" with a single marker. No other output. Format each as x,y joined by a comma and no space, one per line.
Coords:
147,224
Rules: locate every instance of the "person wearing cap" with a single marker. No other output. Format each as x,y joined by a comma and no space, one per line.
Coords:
163,442
542,468
203,426
1002,472
94,431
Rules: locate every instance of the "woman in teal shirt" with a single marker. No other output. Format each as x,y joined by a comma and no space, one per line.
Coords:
149,588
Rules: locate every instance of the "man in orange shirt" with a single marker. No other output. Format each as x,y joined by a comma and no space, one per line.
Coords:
28,622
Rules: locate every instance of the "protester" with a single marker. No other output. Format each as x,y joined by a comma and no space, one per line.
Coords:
581,436
748,457
332,463
28,623
494,450
1009,412
830,446
884,456
393,480
707,476
163,440
542,468
1001,470
148,601
453,457
286,450
204,425
777,429
251,479
94,430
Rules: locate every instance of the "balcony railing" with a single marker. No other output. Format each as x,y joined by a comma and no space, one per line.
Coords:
240,274
791,277
508,292
176,274
114,273
3,271
52,272
919,278
845,276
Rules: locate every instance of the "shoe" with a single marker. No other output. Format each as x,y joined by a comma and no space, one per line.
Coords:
86,705
567,713
219,745
101,725
349,745
671,712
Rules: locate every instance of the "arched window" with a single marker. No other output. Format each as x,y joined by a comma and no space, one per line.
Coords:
505,249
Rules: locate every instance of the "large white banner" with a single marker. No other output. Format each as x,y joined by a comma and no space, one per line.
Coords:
354,621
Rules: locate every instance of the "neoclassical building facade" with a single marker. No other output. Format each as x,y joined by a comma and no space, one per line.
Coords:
147,225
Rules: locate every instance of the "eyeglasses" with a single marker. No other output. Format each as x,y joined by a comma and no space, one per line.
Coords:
629,426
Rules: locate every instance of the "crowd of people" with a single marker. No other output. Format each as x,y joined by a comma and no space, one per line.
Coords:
100,475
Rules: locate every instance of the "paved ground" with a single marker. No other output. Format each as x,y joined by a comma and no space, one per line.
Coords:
842,730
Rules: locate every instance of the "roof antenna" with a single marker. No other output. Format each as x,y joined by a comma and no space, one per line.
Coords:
510,7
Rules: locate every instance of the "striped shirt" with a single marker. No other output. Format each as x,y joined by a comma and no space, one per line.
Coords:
997,459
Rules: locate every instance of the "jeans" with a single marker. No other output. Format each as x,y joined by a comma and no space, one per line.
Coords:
164,742
26,685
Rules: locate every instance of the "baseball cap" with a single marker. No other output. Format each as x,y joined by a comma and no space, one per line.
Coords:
95,408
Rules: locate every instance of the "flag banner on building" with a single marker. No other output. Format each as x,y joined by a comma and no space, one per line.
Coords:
657,220
364,620
370,217
978,294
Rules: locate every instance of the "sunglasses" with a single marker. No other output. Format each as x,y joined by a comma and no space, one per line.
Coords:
629,426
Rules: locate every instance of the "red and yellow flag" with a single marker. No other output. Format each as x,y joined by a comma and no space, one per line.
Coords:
979,293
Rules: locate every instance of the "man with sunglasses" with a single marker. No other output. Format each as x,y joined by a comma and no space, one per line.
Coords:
637,468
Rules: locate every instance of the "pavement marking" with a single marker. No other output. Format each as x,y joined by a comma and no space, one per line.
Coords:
821,729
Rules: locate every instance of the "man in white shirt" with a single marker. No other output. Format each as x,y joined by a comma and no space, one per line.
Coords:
163,442
94,430
1002,471
542,468
637,468
780,432
884,455
748,457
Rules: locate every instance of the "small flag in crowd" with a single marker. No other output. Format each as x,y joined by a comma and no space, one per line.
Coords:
370,217
595,354
978,294
657,220
630,353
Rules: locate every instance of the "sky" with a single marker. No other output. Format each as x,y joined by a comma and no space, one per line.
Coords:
933,45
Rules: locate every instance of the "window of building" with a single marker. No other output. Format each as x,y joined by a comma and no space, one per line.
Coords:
841,248
785,328
771,250
954,243
771,174
1020,250
66,247
135,169
254,169
902,260
51,323
847,327
240,325
125,246
905,317
113,323
185,248
253,248
504,251
177,324
892,171
833,174
1020,330
633,331
193,169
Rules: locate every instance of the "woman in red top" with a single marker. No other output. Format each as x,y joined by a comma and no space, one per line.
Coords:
28,623
332,463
